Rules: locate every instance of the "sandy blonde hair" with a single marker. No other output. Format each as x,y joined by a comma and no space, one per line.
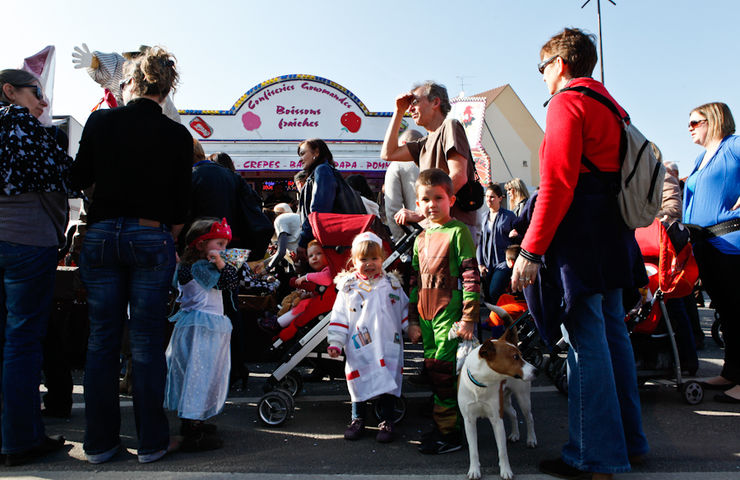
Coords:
719,119
153,73
519,190
366,248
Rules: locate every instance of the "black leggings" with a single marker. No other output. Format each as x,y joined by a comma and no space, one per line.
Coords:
720,275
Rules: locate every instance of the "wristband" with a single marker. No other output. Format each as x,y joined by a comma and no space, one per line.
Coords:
532,257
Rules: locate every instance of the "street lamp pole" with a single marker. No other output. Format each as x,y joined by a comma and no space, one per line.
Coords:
601,49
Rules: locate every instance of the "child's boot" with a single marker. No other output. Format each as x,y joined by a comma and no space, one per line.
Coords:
355,429
385,432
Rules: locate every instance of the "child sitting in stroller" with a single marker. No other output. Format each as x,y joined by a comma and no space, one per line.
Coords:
511,301
299,301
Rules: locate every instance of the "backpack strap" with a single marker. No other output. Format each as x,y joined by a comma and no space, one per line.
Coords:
599,98
608,104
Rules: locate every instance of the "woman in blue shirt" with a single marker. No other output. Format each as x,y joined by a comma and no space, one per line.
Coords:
712,201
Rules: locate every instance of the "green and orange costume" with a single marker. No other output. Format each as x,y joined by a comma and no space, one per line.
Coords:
445,288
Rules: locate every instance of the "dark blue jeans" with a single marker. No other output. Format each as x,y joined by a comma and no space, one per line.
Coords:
498,279
26,286
125,264
386,402
604,416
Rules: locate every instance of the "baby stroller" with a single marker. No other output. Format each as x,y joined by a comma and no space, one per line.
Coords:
305,342
672,272
530,343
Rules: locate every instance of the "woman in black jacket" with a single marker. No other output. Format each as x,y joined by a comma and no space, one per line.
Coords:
139,161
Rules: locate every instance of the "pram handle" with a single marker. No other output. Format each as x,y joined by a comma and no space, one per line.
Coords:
282,247
407,230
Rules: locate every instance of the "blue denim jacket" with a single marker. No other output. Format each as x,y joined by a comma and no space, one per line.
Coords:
495,239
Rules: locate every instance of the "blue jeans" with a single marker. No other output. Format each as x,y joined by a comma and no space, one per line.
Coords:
386,403
498,280
125,264
604,418
26,286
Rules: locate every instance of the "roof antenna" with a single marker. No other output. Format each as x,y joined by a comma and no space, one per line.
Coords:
462,84
601,50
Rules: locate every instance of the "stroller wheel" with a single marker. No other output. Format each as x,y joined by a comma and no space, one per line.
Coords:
286,394
535,357
274,409
292,383
561,378
717,334
692,393
399,409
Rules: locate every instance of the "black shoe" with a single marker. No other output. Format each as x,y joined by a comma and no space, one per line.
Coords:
558,468
239,378
191,428
724,398
201,442
56,412
439,444
714,386
48,445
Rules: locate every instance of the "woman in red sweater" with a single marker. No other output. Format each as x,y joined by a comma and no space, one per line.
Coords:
576,257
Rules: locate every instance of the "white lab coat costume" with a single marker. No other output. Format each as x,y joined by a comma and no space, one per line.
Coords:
368,320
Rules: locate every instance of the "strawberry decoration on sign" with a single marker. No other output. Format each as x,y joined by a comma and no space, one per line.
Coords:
351,122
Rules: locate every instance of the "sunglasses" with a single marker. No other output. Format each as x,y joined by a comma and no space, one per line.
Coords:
124,83
696,123
37,92
541,66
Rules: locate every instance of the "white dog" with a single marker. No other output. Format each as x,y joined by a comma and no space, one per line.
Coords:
490,374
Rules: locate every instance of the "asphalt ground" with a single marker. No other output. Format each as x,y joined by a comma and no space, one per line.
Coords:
701,441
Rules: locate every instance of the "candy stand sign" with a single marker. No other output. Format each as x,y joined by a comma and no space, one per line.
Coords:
292,107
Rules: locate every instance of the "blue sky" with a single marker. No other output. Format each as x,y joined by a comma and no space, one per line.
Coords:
662,57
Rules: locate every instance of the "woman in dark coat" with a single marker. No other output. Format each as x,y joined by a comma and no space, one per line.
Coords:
324,191
139,161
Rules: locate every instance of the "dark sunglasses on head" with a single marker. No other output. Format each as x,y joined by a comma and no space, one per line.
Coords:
541,66
124,82
37,92
696,123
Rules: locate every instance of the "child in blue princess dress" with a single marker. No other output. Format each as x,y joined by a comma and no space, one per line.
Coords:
198,356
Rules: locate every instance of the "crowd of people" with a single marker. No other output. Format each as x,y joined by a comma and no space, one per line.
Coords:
575,258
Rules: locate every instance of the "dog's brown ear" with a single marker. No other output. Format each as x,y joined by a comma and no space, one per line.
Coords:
511,336
487,350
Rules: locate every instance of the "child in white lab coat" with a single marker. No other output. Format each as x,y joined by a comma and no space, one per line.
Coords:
368,320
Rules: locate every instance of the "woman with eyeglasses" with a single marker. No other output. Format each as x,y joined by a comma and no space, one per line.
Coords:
140,162
589,256
712,202
518,195
34,187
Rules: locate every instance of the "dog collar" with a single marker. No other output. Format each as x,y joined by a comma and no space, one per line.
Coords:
475,382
